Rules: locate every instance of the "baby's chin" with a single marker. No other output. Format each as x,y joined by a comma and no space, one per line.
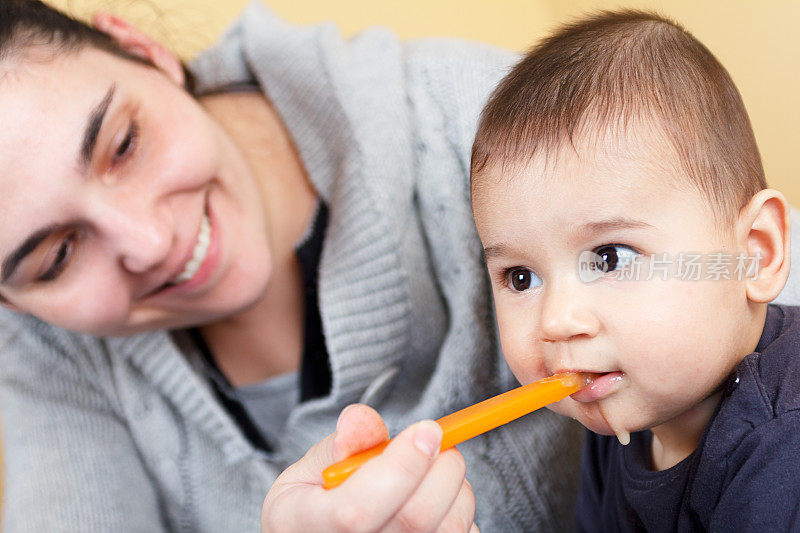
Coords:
588,414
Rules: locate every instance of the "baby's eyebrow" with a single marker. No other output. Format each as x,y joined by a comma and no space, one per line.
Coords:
582,232
496,250
611,224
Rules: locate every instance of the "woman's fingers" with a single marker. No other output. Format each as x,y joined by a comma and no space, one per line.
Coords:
299,486
374,493
309,468
359,427
436,497
408,487
284,501
459,518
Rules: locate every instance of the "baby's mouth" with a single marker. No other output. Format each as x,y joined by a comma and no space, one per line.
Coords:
602,386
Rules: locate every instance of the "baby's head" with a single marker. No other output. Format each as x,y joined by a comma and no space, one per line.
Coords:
620,198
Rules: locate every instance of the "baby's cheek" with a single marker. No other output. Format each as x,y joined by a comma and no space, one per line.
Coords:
654,357
563,408
526,369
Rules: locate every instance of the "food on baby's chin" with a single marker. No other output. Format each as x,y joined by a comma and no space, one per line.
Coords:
623,435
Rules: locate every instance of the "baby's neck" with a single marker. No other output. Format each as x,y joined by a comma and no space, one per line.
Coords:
675,440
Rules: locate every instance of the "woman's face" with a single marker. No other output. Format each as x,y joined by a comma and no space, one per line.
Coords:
125,206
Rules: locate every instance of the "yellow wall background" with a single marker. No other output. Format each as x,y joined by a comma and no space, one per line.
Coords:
757,41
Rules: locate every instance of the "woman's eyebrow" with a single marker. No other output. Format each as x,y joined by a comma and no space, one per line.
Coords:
93,127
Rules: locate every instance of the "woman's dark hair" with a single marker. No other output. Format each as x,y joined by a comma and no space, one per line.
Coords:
26,23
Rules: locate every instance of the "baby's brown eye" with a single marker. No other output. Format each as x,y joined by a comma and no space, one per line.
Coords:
522,279
610,258
615,257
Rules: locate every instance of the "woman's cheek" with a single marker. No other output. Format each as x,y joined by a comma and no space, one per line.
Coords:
98,309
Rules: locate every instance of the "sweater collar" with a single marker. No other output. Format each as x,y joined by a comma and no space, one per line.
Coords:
284,60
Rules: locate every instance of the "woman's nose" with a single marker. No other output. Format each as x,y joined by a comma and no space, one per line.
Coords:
142,238
566,313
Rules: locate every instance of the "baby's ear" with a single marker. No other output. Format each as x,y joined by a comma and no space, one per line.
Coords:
764,226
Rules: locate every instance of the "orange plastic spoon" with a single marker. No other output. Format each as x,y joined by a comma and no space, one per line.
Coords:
476,419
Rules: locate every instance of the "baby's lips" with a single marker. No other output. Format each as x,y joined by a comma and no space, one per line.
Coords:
587,378
598,386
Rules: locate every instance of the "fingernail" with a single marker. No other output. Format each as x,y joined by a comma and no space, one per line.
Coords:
428,437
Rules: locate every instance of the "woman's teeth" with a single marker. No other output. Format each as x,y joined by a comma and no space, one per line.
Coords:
199,254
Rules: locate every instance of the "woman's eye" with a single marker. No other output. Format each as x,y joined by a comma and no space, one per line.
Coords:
127,144
615,256
62,257
522,279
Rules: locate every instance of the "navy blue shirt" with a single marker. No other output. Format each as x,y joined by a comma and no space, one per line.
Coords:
744,474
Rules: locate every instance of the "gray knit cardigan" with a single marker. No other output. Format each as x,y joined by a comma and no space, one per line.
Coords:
123,434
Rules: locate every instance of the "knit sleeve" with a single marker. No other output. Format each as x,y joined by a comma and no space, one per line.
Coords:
763,480
69,461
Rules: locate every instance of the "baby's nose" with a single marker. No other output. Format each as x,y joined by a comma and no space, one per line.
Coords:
566,314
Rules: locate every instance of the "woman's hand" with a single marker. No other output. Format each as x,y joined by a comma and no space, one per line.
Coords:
409,487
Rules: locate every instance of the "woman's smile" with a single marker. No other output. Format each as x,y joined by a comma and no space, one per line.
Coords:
199,262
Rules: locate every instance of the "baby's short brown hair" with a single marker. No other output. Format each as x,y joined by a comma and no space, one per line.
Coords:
610,68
